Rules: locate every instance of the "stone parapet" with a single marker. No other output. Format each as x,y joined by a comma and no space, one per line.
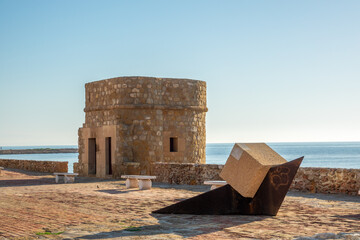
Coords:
315,180
76,167
327,180
145,92
35,166
185,173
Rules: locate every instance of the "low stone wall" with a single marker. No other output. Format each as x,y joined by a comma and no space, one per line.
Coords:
35,166
316,180
76,167
185,173
327,180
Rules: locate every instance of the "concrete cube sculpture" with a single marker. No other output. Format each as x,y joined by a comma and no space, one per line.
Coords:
258,179
248,165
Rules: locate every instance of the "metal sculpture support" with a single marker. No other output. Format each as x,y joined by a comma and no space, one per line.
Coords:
226,200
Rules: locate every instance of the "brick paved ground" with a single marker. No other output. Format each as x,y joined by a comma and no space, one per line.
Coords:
99,209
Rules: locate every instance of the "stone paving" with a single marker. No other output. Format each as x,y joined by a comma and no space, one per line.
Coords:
33,206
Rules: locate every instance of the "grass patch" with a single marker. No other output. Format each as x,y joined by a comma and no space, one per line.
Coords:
132,229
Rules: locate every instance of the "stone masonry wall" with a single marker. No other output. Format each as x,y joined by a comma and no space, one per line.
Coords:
186,173
76,167
315,180
35,166
128,92
146,112
327,180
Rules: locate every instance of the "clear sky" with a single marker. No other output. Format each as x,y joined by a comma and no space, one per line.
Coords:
276,71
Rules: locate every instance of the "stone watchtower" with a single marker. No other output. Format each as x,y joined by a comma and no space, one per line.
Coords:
131,122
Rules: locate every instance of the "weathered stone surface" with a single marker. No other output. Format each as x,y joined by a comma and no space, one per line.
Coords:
35,166
247,166
141,114
76,167
338,180
327,180
185,173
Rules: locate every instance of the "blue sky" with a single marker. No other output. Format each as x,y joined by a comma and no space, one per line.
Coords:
276,71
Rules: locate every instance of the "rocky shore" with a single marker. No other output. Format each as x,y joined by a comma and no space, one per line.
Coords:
39,151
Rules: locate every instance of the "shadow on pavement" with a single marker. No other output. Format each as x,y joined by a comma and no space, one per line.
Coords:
351,216
118,191
328,197
181,225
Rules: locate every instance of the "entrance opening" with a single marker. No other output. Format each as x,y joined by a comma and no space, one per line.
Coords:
173,144
108,155
92,156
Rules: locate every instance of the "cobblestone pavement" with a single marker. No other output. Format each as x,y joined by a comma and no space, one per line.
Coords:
32,205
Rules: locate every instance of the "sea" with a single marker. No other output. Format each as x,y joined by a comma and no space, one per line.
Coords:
317,154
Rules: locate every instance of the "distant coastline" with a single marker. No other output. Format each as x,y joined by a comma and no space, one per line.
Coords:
317,154
39,151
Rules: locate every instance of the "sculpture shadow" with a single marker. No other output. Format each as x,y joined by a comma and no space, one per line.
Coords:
183,225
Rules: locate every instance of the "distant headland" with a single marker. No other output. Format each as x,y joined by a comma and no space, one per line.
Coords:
39,151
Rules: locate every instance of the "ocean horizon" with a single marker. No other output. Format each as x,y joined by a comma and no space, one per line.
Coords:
317,154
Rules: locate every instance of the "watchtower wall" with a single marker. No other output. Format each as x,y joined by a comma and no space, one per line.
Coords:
147,120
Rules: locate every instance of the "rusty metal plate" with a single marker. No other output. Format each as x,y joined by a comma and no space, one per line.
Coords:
226,200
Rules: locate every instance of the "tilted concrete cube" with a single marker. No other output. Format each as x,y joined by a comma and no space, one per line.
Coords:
247,166
258,179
